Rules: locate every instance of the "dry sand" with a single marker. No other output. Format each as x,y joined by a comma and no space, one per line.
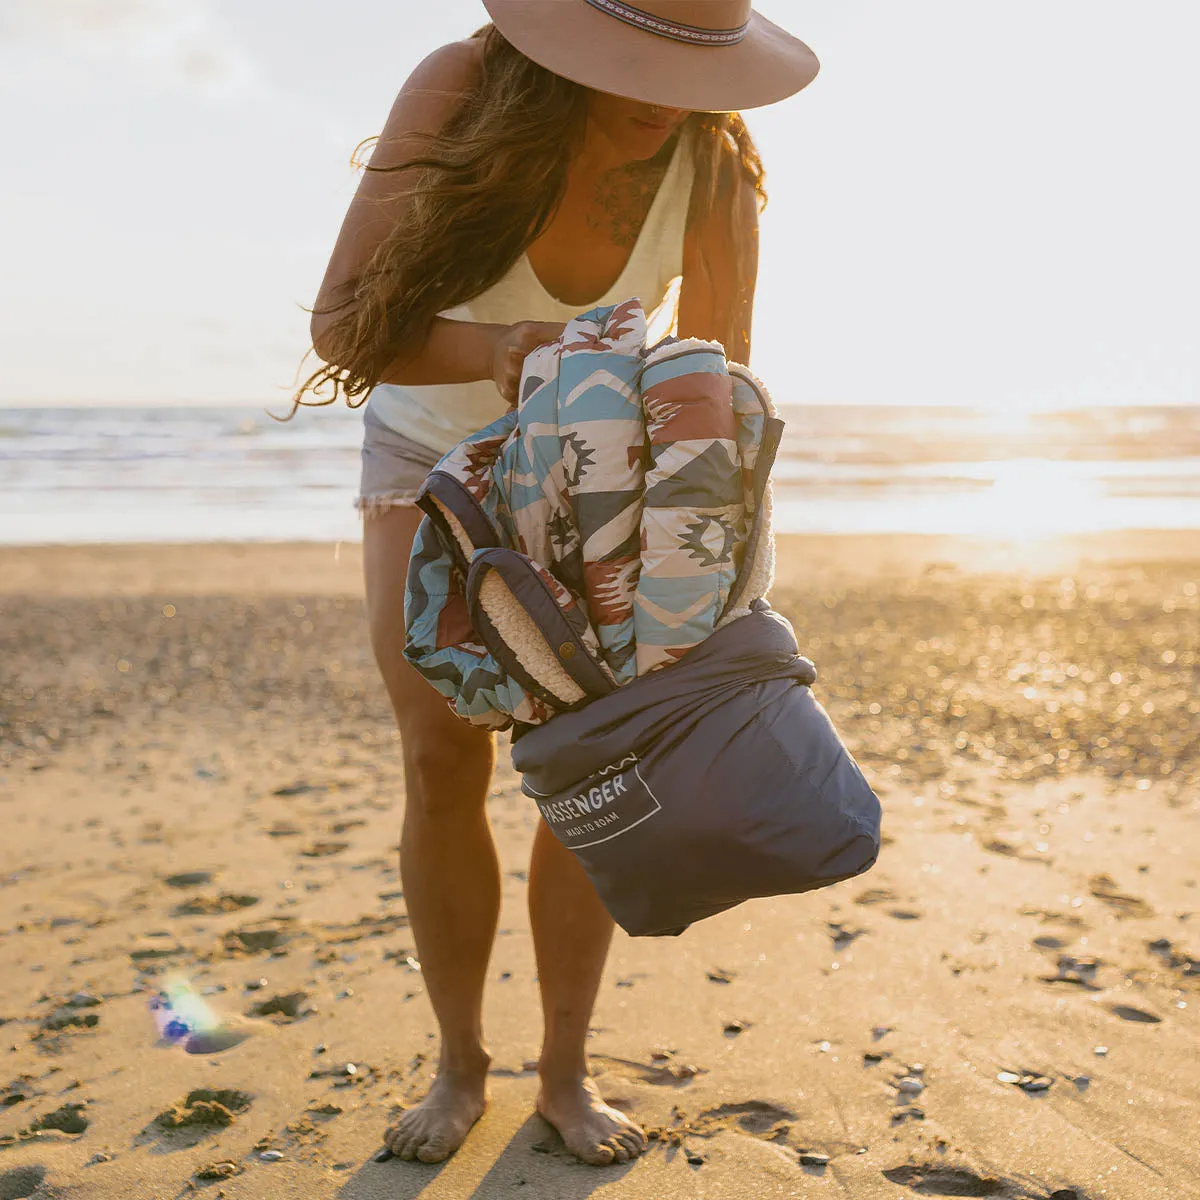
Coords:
1029,713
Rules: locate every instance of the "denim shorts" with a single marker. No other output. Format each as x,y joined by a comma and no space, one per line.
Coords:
393,468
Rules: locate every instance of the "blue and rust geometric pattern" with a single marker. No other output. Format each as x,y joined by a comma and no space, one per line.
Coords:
628,474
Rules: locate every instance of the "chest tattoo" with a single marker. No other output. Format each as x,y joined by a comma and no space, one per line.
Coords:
622,200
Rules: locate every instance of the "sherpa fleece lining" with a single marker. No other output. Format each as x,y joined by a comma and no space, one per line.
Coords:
761,572
455,526
514,625
674,348
516,629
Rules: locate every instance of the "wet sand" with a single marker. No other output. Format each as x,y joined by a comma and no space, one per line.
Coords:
199,780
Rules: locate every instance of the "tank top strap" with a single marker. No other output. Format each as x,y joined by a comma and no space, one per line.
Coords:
656,268
670,212
657,257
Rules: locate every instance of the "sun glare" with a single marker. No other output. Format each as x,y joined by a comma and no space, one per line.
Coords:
1033,497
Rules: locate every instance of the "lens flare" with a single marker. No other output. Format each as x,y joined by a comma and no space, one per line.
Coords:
184,1018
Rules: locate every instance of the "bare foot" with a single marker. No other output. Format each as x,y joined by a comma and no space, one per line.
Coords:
432,1130
592,1130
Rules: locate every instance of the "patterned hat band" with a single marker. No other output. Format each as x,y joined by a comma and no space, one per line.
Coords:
675,30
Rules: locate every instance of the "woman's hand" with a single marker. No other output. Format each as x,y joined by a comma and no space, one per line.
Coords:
514,343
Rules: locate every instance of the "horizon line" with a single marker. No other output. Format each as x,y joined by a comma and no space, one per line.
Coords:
10,404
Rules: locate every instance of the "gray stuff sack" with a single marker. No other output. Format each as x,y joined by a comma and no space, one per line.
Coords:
710,782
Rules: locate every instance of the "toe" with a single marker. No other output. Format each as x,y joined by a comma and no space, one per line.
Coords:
599,1155
434,1150
621,1151
631,1144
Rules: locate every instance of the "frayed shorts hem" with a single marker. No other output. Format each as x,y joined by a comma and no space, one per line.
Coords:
377,506
393,468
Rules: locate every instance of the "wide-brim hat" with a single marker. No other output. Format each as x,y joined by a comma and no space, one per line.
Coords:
700,55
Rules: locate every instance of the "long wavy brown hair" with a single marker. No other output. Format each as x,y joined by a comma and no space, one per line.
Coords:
482,191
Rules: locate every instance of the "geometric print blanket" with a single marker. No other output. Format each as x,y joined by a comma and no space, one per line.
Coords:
609,524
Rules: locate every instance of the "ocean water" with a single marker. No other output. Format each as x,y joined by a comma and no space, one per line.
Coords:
233,474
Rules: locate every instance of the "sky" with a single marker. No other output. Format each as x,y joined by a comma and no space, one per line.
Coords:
976,202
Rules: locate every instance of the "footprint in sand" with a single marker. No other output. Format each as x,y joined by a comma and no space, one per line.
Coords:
1105,889
19,1182
1049,942
187,879
201,1112
877,895
215,1172
1012,850
841,935
1000,846
324,849
286,1008
207,906
69,1119
68,1016
1174,957
1138,1015
156,951
326,1109
1080,972
946,1181
300,789
18,1091
254,939
665,1074
1049,917
369,926
758,1118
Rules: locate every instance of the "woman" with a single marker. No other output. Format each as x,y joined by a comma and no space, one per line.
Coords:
574,152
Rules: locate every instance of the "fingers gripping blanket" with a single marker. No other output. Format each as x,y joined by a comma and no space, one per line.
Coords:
599,532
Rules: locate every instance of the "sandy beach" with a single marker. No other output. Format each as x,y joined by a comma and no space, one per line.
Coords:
200,781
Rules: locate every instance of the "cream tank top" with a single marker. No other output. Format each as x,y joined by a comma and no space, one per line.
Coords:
439,416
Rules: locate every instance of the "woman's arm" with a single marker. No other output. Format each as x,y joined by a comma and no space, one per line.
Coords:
716,302
454,351
426,102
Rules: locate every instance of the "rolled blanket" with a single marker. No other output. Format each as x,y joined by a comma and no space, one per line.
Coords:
583,436
694,511
628,494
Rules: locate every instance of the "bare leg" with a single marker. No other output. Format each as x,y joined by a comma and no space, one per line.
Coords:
448,860
571,934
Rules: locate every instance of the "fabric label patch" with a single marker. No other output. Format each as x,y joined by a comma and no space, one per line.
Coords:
609,804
